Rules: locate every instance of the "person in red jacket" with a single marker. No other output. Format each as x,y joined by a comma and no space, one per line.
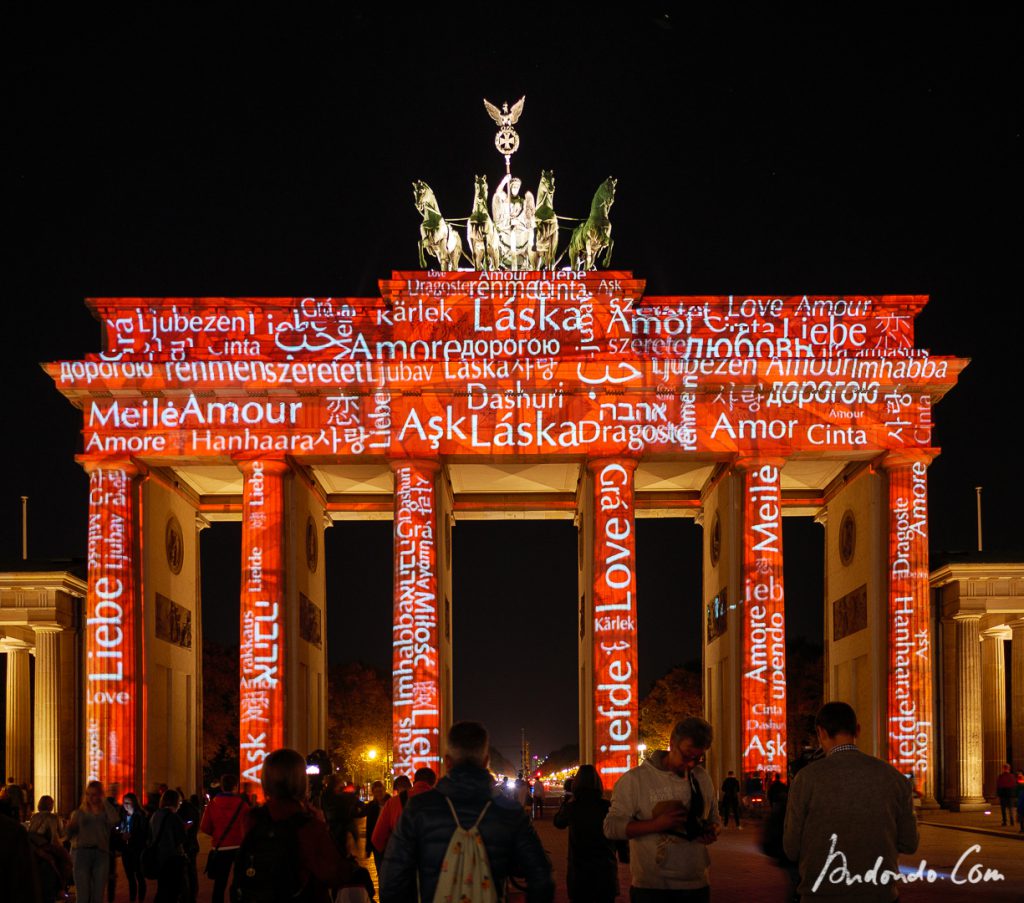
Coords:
224,821
1006,790
423,780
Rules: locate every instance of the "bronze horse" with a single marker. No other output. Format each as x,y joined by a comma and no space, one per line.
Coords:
437,237
593,235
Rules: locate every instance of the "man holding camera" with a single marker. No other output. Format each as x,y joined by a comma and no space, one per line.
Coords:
667,809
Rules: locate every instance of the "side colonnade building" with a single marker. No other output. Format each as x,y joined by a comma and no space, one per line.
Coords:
465,395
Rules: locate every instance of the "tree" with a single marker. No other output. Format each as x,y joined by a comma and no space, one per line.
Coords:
674,696
567,756
220,710
358,716
804,691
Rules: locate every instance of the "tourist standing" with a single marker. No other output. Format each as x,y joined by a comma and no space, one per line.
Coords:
666,809
134,833
89,830
1006,790
341,807
373,810
286,822
521,791
538,798
464,798
167,834
592,875
849,805
423,780
224,821
17,864
189,814
730,799
46,835
47,822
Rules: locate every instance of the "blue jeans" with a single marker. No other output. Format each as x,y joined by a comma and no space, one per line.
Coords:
91,866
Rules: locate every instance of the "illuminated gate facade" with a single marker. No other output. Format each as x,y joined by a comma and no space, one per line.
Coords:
522,394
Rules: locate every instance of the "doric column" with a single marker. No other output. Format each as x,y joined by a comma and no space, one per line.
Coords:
909,719
113,685
616,703
19,712
261,667
763,678
47,712
968,711
1017,689
993,703
416,715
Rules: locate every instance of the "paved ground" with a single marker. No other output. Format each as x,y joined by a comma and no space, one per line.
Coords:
739,872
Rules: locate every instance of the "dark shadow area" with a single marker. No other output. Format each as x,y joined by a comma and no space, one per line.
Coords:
360,581
514,631
668,581
220,563
803,572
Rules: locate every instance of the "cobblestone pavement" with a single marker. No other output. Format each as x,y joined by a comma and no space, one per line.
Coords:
739,872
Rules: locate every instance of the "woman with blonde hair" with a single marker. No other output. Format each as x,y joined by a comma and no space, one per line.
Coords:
89,831
47,822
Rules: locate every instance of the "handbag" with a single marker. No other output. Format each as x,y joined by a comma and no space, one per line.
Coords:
212,857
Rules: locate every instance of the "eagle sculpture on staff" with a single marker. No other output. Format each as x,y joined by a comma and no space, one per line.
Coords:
507,140
518,231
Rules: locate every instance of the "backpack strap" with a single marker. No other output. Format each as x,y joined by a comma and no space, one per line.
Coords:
225,832
479,818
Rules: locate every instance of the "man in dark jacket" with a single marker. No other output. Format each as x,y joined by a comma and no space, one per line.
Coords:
420,840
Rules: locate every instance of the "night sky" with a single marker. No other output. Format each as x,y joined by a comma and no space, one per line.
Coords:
194,152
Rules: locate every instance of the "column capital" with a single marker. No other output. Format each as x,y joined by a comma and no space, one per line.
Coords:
967,615
1015,624
276,466
892,460
201,522
1002,632
752,462
128,465
13,644
47,628
627,463
431,464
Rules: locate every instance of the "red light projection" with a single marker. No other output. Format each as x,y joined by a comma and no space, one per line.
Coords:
111,665
521,366
616,701
763,687
261,691
477,363
910,689
416,688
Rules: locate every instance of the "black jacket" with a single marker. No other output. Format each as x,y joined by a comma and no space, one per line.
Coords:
593,873
421,837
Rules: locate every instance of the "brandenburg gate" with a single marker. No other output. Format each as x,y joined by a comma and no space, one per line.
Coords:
511,389
493,393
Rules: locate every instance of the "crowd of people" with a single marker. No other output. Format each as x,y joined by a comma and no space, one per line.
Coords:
465,838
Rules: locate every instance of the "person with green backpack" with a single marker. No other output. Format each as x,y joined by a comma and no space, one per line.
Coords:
462,840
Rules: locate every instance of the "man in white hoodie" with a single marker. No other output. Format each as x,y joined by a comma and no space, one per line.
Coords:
667,809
